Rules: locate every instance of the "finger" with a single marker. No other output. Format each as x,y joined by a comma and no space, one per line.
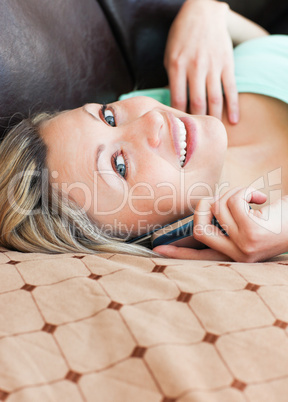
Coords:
214,93
248,194
233,202
254,196
178,85
184,253
211,235
213,238
203,216
223,214
269,217
203,229
197,91
231,94
238,203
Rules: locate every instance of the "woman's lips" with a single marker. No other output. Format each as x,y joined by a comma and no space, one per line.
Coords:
175,133
191,134
191,137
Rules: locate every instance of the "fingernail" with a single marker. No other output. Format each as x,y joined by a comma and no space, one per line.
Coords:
234,118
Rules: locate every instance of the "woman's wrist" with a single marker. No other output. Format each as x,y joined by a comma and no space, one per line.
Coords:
211,8
239,28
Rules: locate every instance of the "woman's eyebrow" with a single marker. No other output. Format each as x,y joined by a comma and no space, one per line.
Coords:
91,114
100,149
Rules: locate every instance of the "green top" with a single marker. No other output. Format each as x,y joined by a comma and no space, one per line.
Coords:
261,66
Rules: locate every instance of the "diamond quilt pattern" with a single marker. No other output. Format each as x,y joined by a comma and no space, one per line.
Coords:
118,328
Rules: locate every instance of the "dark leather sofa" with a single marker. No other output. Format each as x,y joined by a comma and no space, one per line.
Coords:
60,54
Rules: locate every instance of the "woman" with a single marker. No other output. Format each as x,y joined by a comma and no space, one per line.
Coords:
78,180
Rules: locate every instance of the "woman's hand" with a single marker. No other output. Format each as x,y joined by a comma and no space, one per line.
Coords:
253,235
199,53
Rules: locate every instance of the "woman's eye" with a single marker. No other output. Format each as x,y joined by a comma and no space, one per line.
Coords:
120,165
109,117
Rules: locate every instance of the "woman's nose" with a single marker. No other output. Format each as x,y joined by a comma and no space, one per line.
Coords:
151,125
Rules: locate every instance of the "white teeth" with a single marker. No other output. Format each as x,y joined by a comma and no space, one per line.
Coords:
182,141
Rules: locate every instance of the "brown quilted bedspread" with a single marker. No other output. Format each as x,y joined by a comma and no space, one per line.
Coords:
121,328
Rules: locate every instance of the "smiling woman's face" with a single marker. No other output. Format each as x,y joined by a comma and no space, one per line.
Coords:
122,163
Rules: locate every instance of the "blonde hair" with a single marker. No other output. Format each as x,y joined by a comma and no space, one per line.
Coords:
55,226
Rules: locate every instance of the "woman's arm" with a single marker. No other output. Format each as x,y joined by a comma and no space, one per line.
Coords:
242,29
